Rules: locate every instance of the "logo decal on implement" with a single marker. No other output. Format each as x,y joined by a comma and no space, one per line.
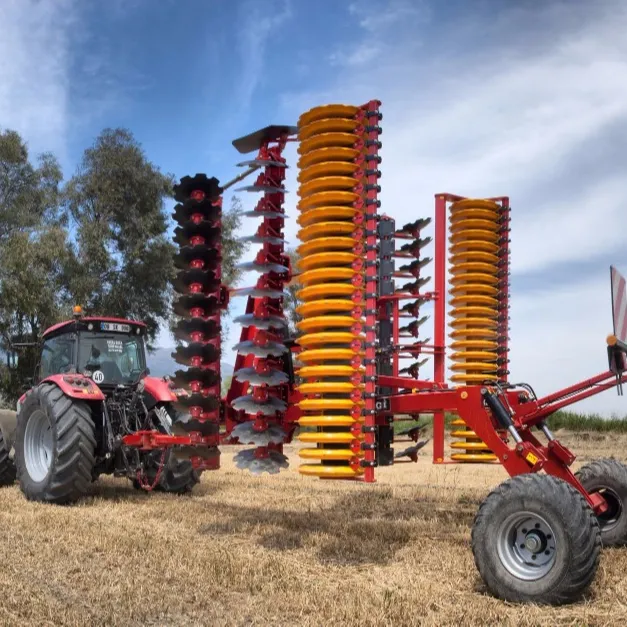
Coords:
98,376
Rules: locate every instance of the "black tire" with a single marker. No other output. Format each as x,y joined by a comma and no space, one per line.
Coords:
7,466
565,531
608,477
177,476
72,445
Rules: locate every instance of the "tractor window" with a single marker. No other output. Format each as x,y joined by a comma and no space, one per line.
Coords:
57,355
112,359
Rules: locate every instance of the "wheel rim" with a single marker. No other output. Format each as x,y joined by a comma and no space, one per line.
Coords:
609,519
526,546
38,446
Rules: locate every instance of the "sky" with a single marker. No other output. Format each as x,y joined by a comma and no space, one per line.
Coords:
479,98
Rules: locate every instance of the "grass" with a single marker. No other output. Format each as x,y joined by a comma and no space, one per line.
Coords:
282,550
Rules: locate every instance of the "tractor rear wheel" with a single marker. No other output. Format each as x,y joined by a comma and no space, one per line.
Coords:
608,477
54,446
535,539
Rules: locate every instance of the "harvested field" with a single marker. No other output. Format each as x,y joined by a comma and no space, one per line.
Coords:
283,550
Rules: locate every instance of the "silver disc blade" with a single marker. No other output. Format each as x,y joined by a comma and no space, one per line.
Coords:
258,292
272,349
267,189
250,375
246,460
251,406
261,239
264,214
271,322
262,268
261,163
246,434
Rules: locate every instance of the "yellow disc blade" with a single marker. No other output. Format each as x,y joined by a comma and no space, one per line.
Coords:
463,334
471,366
322,404
318,214
327,125
327,453
473,299
473,203
324,354
327,140
327,111
326,244
323,199
323,275
474,323
331,337
336,420
474,246
307,372
323,155
471,225
326,184
473,266
474,345
478,214
330,472
476,278
326,305
325,229
474,288
326,260
327,387
474,310
316,292
474,234
330,437
327,168
480,256
325,322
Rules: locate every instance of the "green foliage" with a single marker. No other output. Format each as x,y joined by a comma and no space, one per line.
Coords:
122,260
291,300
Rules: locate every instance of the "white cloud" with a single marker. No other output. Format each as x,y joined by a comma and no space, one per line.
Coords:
511,105
34,79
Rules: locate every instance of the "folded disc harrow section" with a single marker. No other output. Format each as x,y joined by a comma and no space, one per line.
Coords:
338,186
200,299
257,401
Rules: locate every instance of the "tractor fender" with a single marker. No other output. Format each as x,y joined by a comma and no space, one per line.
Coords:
76,386
157,391
8,423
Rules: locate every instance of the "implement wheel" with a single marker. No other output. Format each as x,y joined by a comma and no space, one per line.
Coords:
535,539
608,477
54,446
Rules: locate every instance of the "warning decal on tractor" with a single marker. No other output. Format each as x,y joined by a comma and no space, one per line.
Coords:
619,304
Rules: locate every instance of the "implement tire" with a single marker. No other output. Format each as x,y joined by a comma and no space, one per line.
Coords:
608,477
535,539
54,446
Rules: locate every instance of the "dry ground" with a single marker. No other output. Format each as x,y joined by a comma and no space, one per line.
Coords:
282,550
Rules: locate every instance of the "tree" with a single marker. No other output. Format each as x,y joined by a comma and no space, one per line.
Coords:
122,261
33,248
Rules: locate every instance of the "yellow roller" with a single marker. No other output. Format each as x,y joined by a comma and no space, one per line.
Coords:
332,276
474,236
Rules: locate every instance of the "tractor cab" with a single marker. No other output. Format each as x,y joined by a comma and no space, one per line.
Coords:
109,351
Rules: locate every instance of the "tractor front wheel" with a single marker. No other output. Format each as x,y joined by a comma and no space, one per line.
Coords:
535,539
54,446
608,477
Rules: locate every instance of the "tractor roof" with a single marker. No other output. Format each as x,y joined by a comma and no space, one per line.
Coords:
61,325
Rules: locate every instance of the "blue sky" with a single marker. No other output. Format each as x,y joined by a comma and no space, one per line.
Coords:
483,97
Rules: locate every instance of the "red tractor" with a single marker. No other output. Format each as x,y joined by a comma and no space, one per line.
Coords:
91,391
